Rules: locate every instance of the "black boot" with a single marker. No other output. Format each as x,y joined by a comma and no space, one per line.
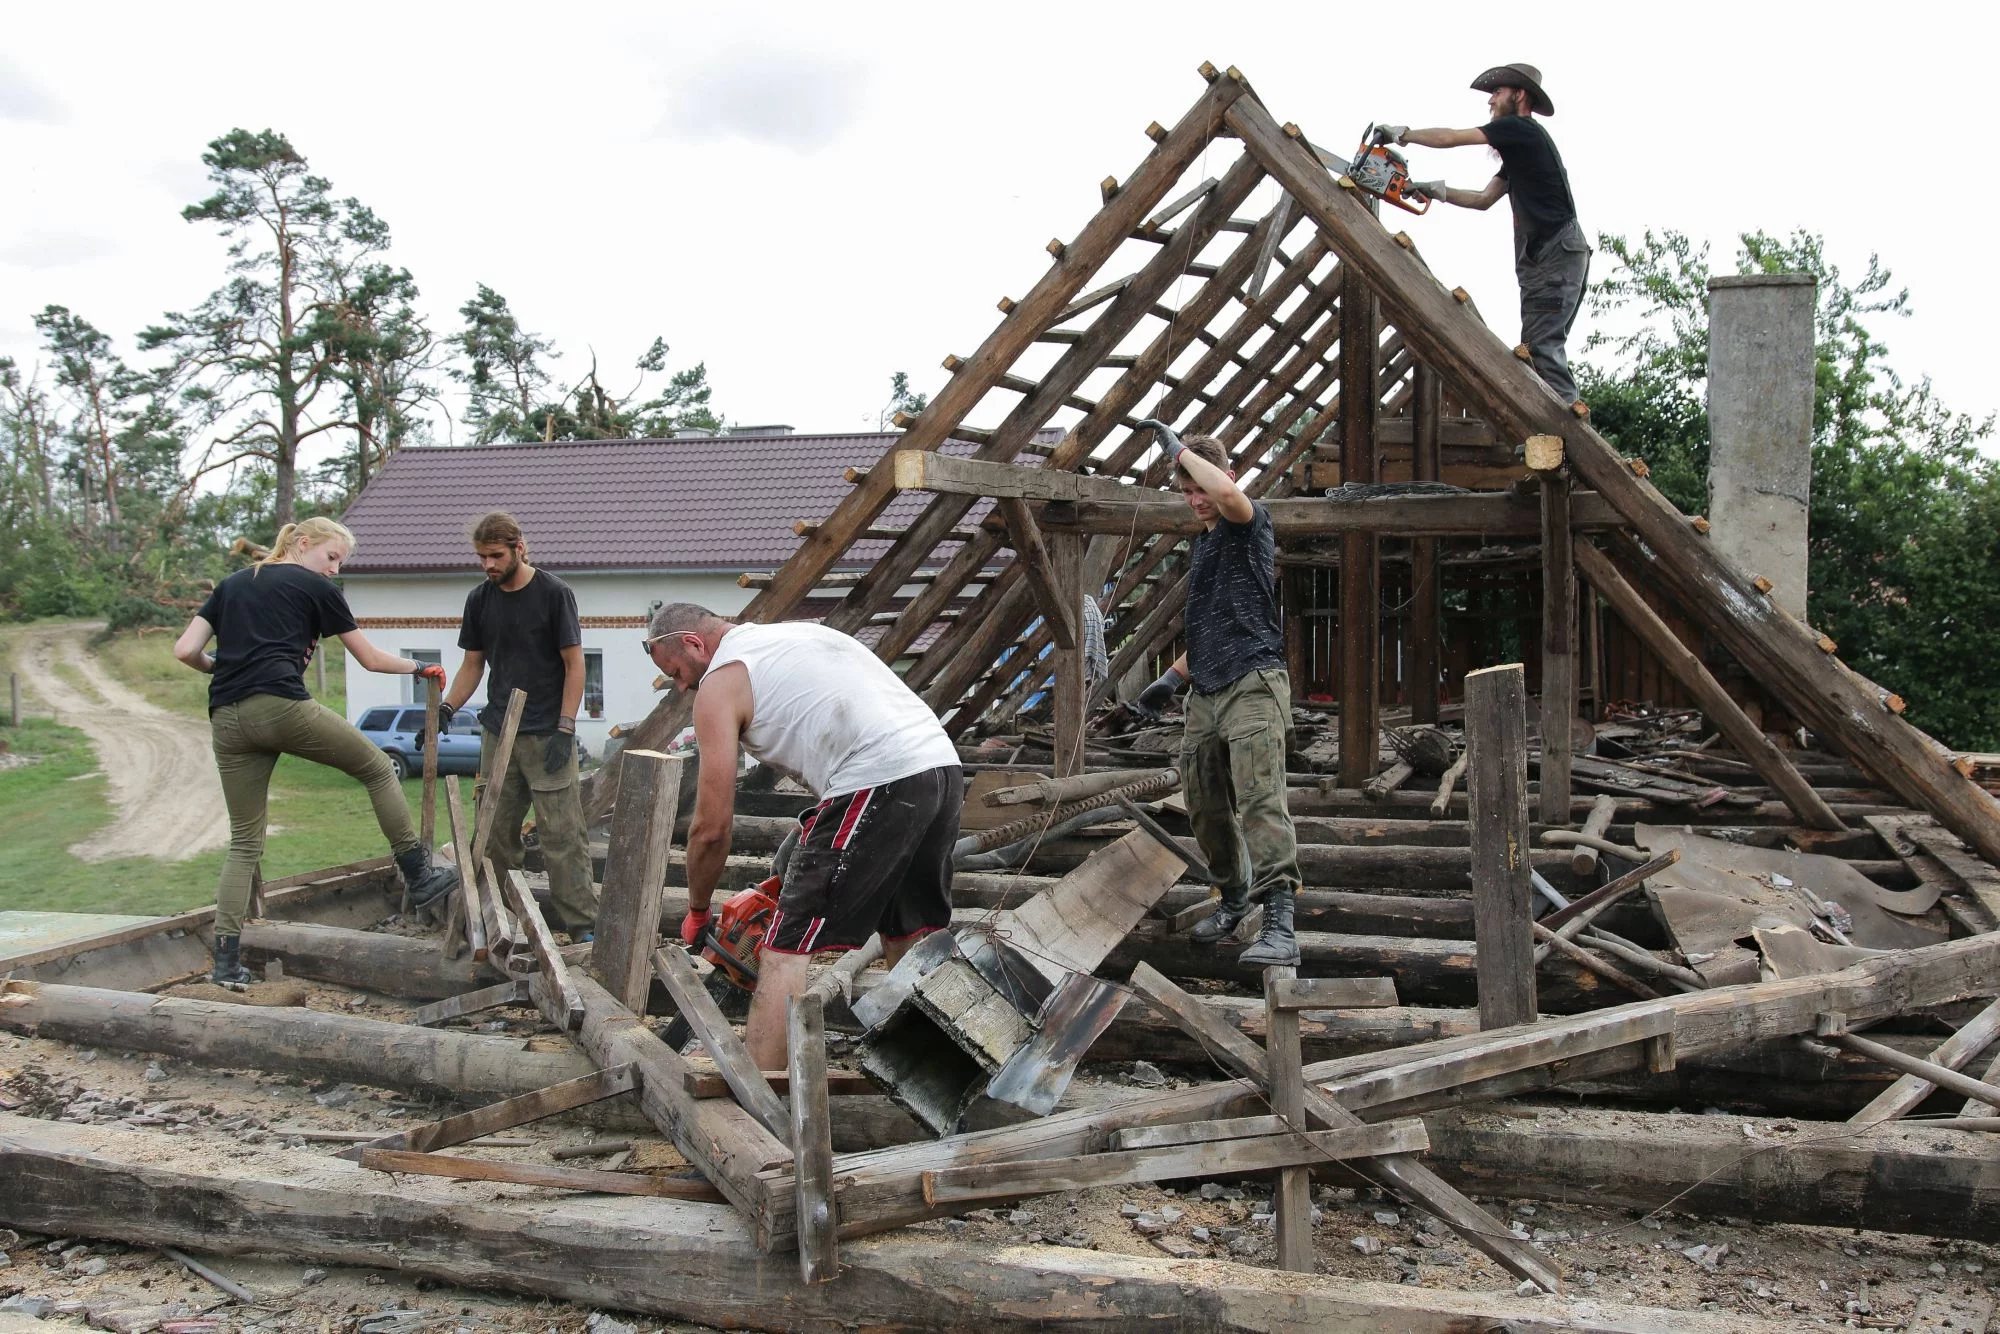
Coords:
229,970
1276,944
425,881
1226,918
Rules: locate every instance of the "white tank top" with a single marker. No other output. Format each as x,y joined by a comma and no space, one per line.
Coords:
824,708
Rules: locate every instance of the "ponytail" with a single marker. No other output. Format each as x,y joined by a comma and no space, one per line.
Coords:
295,537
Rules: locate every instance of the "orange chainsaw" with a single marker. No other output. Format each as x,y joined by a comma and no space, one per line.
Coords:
1383,172
733,936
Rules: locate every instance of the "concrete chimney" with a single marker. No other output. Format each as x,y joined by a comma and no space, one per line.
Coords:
1760,424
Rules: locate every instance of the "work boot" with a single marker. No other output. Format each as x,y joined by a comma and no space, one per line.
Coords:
229,970
425,881
1218,924
1276,945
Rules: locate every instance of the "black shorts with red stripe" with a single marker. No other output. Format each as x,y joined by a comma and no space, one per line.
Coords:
874,860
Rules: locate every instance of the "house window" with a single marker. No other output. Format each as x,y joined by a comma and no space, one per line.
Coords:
593,683
423,657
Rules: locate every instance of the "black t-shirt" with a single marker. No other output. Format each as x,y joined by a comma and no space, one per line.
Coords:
1232,603
522,634
1536,181
268,620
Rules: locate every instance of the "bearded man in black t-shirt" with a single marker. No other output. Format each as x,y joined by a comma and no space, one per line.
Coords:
1551,256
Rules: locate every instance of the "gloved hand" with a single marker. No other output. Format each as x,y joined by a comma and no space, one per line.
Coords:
691,926
1153,700
1390,134
1430,190
559,750
432,672
1164,435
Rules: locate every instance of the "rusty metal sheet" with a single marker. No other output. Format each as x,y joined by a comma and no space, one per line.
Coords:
1074,1018
1791,951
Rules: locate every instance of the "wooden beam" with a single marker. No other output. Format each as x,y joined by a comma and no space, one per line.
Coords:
427,830
1232,1157
1291,1200
548,958
496,779
1722,710
1422,629
1782,652
812,1141
1469,514
1954,1053
1360,627
1197,1132
1329,993
1070,688
1046,581
1496,786
732,1059
472,1002
949,474
468,875
1951,1081
533,1174
1558,647
508,1113
635,875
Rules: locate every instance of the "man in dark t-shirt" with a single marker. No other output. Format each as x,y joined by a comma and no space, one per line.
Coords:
522,623
1551,256
1233,750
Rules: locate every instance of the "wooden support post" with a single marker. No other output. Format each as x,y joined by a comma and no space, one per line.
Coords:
1496,789
1292,1201
1687,668
812,1141
635,875
1422,627
319,672
1558,647
1069,686
1360,572
1039,565
466,900
496,776
732,1059
13,699
569,1001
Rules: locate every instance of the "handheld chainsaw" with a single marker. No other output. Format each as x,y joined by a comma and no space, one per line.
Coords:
1383,172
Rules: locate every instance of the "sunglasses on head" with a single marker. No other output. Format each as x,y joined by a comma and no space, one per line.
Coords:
646,645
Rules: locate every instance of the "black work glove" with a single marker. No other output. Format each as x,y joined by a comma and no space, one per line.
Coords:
1155,698
559,750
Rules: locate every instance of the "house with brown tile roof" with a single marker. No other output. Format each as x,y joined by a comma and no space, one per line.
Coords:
628,524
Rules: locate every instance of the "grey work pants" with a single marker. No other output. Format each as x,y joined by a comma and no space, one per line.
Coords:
1552,281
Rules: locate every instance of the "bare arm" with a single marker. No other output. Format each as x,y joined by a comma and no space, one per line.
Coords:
721,712
1230,502
1180,665
1443,138
470,668
192,647
572,696
1495,191
374,659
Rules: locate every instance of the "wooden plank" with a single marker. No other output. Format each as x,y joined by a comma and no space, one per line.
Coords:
1197,1132
732,1059
548,958
496,776
533,1174
1042,1176
1360,626
1405,1176
471,915
471,1002
812,1141
1069,714
635,875
1558,647
702,1083
1978,878
1330,993
1269,247
1783,653
1043,577
1496,787
1583,858
1291,1201
506,1114
1715,701
427,830
1954,1053
1423,629
950,474
1466,514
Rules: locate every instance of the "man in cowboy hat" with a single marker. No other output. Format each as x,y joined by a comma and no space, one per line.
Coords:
1551,256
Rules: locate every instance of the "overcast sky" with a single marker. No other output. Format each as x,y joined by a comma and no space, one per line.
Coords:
808,197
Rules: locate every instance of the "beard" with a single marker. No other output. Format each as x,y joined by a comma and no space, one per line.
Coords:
502,576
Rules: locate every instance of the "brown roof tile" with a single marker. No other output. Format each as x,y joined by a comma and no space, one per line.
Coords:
702,503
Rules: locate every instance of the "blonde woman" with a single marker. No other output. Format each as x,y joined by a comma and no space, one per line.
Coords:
267,621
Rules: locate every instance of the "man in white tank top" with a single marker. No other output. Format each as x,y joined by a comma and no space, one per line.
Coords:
874,856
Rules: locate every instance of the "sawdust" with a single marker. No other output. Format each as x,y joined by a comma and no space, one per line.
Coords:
165,793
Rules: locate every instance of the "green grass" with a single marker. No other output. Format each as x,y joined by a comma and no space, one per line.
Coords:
146,663
319,817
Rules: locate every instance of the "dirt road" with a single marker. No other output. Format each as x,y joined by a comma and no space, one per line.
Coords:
166,799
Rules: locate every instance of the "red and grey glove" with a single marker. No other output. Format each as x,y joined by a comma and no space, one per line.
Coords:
692,926
432,672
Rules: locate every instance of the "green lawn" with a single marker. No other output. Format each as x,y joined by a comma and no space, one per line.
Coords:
319,817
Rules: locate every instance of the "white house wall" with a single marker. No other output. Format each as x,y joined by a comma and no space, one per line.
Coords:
409,614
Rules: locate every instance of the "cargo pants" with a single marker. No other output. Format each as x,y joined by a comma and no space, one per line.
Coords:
248,737
1233,772
1552,284
556,793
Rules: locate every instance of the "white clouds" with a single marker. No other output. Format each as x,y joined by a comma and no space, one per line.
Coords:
792,99
50,248
22,97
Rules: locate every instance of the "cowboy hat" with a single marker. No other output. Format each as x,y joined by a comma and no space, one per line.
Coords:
1517,75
